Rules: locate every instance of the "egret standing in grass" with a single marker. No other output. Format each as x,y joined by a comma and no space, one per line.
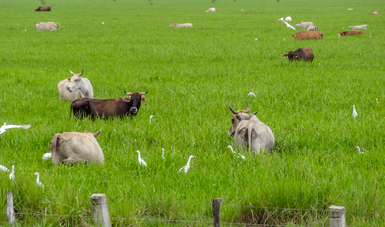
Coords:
3,168
151,116
354,114
187,166
162,152
251,94
47,156
5,127
359,150
238,155
140,160
12,175
37,179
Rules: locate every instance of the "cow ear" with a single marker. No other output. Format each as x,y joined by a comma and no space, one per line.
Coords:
126,98
59,139
96,134
144,98
69,79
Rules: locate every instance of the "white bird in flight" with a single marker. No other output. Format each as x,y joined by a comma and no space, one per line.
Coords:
47,156
151,116
37,179
287,24
3,168
140,160
359,150
162,152
354,114
5,127
12,175
251,94
187,166
238,155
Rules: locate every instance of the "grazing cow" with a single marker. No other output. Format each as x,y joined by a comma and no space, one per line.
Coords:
304,25
354,32
46,26
308,35
105,108
75,147
374,13
312,29
43,8
304,53
364,26
249,132
75,87
210,10
186,25
288,19
350,8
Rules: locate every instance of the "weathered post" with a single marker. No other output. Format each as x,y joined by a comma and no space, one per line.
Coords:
100,210
10,210
216,212
337,216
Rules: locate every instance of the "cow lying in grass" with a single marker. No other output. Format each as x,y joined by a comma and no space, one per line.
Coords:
304,53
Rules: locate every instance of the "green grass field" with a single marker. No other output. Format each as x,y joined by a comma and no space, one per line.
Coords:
192,75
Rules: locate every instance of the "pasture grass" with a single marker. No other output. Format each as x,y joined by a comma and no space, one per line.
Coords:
191,75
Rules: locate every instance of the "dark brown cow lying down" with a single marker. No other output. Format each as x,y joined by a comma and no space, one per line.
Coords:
43,8
354,32
304,53
106,108
307,35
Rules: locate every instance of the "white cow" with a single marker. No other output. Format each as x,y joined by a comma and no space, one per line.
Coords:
364,26
288,19
46,26
75,87
210,10
186,25
249,132
312,28
304,24
74,147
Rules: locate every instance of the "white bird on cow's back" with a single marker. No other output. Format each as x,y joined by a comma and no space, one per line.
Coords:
238,155
12,175
140,160
47,156
251,94
3,168
187,166
5,127
38,179
354,114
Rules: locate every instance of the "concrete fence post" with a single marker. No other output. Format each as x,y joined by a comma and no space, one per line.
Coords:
100,210
337,216
216,212
10,209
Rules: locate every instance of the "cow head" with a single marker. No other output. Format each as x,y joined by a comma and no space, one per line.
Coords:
75,82
135,99
291,55
238,117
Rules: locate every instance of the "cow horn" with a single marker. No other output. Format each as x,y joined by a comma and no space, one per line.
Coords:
71,72
232,110
248,107
82,72
143,93
128,93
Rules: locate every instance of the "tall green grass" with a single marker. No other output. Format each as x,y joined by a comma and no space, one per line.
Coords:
191,75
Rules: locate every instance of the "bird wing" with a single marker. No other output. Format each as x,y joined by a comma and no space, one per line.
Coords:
143,162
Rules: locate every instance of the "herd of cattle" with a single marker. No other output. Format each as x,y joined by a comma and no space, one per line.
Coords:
72,147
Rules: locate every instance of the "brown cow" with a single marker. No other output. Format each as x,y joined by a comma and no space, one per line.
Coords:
354,32
304,53
106,108
43,8
307,35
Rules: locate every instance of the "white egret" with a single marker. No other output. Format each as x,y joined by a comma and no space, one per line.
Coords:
3,168
47,156
377,101
354,114
162,152
287,24
37,179
359,150
25,30
140,160
12,175
251,94
238,155
256,39
151,116
102,22
187,166
5,127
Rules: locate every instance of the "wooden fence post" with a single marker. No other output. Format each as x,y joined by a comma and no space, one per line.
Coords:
337,216
216,212
100,210
10,210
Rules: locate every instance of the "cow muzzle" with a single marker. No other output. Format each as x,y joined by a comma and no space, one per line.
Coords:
69,89
134,110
